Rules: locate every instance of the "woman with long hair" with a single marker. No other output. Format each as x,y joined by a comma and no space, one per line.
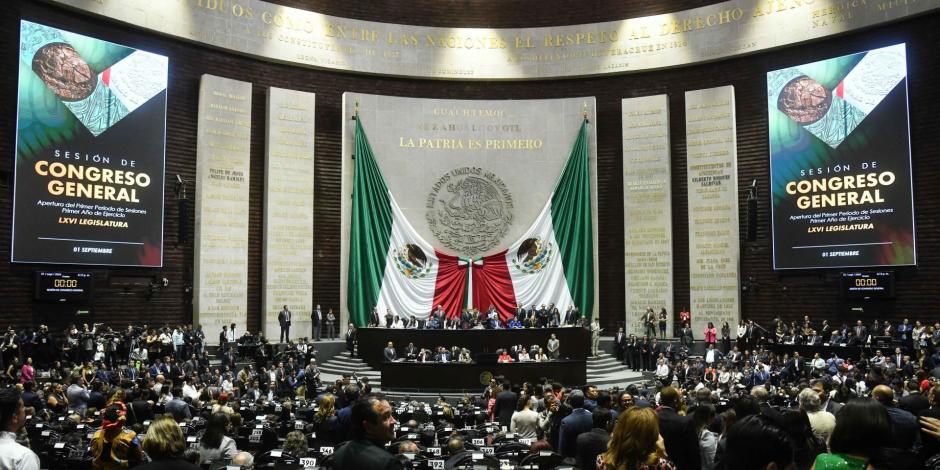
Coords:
635,444
702,418
215,445
324,421
27,372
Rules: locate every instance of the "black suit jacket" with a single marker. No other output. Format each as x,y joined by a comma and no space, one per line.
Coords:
590,445
504,407
360,454
682,444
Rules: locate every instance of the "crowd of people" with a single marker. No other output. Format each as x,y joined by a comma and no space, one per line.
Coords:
443,354
544,316
731,408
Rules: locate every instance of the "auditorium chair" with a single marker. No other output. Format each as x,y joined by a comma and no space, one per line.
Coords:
278,459
543,460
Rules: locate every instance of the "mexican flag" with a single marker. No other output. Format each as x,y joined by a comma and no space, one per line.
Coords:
392,267
553,262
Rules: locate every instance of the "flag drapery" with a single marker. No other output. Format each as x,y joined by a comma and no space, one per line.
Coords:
392,267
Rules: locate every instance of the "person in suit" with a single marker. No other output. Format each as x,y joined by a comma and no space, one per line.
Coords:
443,355
283,318
372,427
505,405
374,319
316,320
389,318
411,352
620,342
594,442
649,322
389,352
579,421
682,445
903,424
823,388
636,348
861,332
352,337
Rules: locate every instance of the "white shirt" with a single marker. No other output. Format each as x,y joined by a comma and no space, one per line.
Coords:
14,456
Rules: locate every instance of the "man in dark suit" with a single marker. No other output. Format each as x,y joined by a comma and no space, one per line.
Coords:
505,405
372,426
316,319
823,387
411,352
389,318
283,318
374,319
620,342
903,424
634,349
579,421
389,352
594,442
914,402
678,433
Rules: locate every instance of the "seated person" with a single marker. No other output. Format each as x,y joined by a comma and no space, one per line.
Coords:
514,323
504,357
524,356
465,356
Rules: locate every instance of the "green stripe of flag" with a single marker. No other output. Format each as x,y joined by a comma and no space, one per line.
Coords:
370,234
571,218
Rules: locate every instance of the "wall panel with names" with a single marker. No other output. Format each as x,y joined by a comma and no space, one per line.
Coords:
647,209
714,239
288,211
222,176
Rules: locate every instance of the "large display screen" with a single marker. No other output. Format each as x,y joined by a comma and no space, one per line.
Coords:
840,162
91,126
868,284
63,286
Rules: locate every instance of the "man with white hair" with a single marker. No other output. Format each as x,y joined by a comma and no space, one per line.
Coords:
822,421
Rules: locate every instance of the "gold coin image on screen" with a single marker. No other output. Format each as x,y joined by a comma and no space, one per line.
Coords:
804,100
64,71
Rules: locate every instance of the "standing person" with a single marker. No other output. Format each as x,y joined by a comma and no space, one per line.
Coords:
620,344
595,337
711,334
681,443
372,426
12,417
553,347
316,320
635,443
351,339
725,338
331,324
283,319
662,323
649,322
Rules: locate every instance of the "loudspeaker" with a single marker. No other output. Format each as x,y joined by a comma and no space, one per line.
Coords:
751,219
182,235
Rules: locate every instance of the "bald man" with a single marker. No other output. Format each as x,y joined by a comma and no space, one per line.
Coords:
903,423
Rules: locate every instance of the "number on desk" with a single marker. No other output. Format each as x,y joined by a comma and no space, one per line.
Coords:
325,450
488,450
308,462
478,442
